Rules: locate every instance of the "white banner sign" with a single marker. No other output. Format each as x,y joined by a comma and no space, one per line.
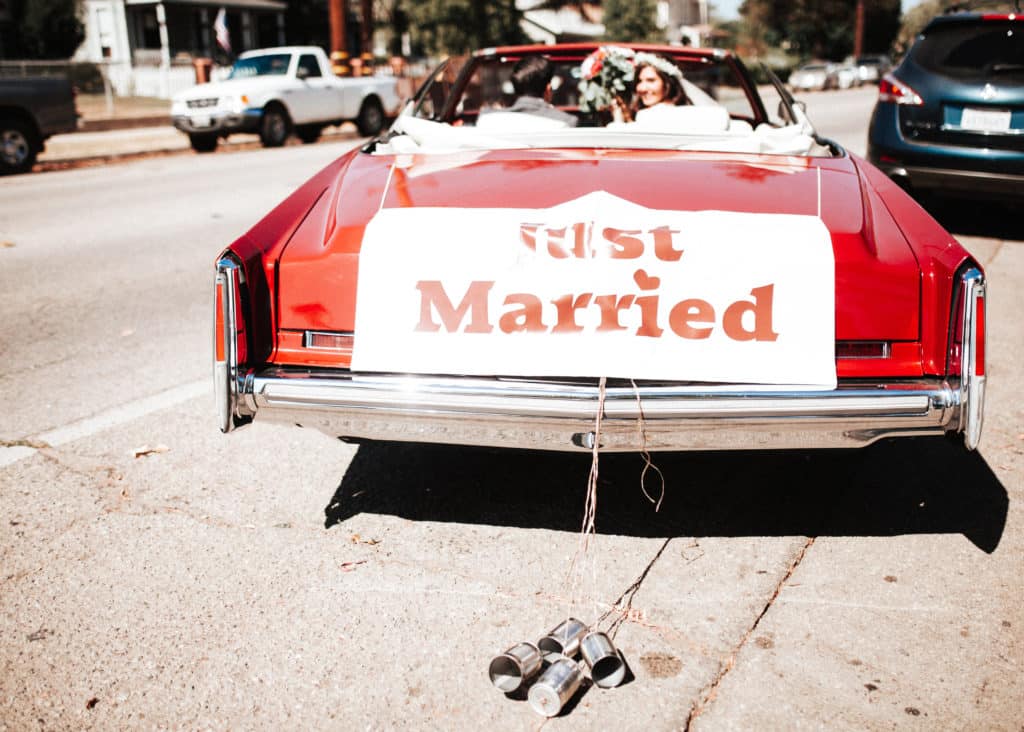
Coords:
598,286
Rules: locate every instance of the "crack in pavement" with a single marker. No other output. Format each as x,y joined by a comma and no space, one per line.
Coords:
26,442
708,695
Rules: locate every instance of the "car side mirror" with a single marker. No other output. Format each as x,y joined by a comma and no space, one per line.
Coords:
796,103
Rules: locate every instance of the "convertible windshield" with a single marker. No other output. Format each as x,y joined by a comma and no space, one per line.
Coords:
273,64
472,103
462,89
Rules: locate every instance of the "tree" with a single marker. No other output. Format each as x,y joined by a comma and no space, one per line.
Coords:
44,29
630,20
460,26
915,19
307,23
881,25
822,28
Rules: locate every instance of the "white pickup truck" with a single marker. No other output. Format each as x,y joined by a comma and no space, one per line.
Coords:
277,91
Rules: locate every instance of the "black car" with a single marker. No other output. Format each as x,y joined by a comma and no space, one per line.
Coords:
950,117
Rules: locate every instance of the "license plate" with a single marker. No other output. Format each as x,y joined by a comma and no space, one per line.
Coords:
986,120
201,120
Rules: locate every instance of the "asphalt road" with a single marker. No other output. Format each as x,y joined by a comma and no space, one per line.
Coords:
277,578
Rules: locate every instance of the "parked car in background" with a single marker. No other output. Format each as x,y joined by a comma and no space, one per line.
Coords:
870,69
710,278
820,75
813,76
31,110
950,117
277,91
842,76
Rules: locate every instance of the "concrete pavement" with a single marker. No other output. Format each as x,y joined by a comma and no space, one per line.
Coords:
277,578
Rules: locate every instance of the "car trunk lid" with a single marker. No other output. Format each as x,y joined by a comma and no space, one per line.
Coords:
876,272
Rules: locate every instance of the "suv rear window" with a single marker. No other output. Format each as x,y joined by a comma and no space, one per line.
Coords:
973,51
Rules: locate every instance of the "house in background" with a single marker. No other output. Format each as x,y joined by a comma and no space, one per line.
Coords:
685,22
147,47
571,22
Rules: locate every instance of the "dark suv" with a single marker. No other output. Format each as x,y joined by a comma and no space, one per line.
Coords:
950,117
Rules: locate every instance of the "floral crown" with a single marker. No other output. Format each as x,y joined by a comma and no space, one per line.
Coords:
663,65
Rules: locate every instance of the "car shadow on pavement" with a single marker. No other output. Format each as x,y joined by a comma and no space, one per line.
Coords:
910,486
968,217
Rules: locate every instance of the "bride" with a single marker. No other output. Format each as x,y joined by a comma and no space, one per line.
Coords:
659,88
663,101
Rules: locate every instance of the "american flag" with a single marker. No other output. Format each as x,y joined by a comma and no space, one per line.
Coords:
220,27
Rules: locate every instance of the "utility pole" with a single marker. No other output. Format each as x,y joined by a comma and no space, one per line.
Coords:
858,34
337,13
367,37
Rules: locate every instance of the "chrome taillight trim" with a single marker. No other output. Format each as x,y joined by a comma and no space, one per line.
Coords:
346,339
232,411
972,386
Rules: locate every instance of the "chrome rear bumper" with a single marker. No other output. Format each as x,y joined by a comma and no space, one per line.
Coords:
554,416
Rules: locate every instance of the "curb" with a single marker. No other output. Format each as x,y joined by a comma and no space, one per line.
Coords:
94,159
123,123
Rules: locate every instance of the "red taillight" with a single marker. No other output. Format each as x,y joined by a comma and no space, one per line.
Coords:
241,352
218,323
228,321
979,336
862,349
891,89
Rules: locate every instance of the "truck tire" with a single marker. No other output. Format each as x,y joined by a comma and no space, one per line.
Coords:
203,142
371,117
308,133
274,126
18,147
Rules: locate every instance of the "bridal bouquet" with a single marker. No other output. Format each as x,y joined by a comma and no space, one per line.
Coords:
605,74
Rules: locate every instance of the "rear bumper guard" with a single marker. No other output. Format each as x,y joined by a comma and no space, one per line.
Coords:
540,415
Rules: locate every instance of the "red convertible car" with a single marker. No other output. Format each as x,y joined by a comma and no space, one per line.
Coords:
714,277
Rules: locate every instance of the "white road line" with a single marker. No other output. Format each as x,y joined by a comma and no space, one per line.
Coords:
10,455
111,418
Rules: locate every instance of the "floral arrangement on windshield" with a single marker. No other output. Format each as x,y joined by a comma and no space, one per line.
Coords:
606,74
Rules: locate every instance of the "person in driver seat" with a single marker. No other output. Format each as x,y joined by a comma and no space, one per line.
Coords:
531,81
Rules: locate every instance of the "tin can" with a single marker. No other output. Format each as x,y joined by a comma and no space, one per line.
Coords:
607,668
555,687
564,638
515,667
